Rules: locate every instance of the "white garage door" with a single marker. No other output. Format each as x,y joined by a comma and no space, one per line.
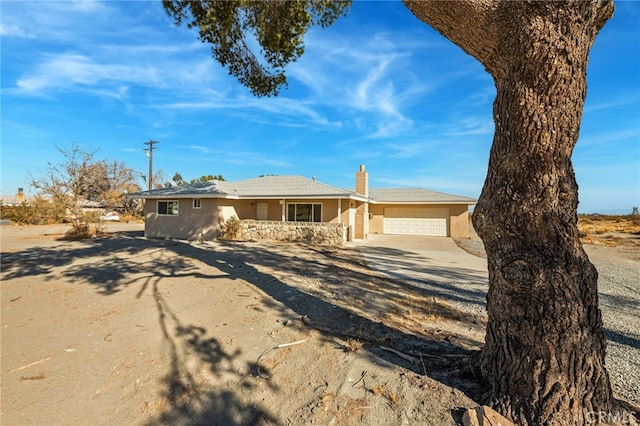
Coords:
416,226
430,221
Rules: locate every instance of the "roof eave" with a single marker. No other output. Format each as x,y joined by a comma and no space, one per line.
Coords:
467,202
179,196
246,197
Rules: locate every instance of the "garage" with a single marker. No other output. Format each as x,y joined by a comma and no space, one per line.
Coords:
430,221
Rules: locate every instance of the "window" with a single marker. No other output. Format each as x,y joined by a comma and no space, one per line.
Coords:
304,212
196,203
168,208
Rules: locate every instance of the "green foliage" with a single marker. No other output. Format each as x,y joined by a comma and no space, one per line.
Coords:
278,26
206,178
177,178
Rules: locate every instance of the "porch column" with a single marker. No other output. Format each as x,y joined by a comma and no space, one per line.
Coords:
284,210
339,210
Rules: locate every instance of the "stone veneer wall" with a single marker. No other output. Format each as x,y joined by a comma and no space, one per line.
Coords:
314,233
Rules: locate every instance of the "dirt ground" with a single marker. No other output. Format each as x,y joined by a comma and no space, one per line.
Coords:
126,330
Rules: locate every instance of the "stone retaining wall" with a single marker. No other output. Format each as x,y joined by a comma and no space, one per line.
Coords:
313,233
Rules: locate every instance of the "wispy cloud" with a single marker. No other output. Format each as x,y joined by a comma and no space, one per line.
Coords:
406,150
254,159
72,70
14,31
106,77
199,148
631,134
54,21
629,99
290,112
104,62
471,126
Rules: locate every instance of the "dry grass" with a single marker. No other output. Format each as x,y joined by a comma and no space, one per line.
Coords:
392,397
84,231
353,345
411,312
600,224
595,229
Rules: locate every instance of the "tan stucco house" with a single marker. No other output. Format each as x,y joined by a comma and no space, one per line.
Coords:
199,211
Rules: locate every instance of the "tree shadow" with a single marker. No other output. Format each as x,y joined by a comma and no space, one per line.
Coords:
337,296
621,338
188,400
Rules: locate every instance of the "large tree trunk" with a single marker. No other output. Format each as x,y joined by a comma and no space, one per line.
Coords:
544,350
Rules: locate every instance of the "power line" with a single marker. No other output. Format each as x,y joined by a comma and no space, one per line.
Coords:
151,144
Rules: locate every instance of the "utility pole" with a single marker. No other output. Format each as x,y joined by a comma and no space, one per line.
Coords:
149,150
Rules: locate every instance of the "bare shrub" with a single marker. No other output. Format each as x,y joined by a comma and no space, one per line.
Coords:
353,345
39,211
231,229
89,227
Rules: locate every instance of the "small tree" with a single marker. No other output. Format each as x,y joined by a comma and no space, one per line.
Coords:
206,178
159,180
78,179
68,184
177,178
121,181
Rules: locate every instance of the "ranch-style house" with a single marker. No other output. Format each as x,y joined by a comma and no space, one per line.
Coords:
298,208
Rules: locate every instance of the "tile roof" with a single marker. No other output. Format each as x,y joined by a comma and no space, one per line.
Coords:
287,185
261,187
201,189
294,186
415,195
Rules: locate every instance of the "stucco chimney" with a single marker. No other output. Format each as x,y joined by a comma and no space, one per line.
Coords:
362,181
20,195
361,220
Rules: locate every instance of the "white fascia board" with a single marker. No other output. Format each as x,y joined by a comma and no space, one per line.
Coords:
293,197
181,196
470,202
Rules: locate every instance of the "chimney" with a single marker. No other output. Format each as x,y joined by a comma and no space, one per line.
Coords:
20,195
362,182
361,222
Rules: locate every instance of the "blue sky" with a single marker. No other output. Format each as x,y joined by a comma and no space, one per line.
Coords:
378,88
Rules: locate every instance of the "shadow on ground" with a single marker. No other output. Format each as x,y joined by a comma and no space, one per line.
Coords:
329,286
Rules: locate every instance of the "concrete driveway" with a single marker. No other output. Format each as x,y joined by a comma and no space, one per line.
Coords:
422,258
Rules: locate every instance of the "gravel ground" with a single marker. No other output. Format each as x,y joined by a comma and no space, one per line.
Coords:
618,288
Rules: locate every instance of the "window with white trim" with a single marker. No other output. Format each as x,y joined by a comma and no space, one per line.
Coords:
304,212
168,208
196,203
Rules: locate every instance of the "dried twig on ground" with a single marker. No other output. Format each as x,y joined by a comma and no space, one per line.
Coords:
406,357
283,345
24,367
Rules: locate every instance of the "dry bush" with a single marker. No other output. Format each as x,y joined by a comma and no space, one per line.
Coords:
39,211
231,229
600,224
86,226
127,218
83,231
353,345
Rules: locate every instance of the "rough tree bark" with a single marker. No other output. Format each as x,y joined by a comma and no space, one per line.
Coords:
544,350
